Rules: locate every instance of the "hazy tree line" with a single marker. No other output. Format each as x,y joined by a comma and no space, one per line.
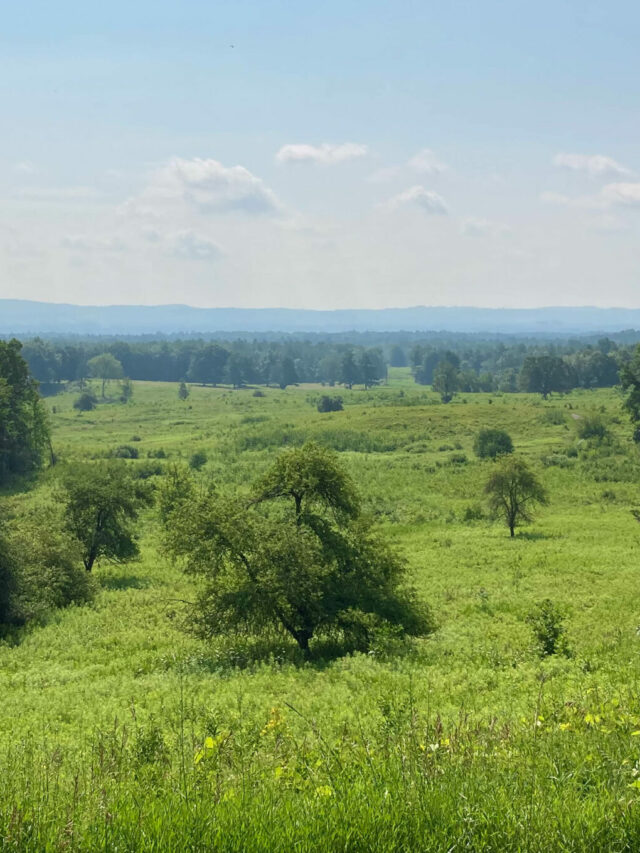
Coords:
519,367
463,365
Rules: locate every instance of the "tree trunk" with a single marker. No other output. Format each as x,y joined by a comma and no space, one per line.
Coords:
512,530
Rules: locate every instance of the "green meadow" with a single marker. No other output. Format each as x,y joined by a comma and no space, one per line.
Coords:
119,730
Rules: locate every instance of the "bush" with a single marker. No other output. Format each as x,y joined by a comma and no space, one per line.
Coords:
85,402
329,404
258,393
592,427
458,459
547,622
491,443
47,566
156,454
145,470
125,451
198,460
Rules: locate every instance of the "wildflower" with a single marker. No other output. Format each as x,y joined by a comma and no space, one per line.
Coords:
324,791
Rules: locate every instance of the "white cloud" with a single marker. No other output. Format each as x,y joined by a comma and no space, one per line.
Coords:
425,161
209,186
87,243
472,227
192,246
594,165
626,194
418,196
325,154
25,167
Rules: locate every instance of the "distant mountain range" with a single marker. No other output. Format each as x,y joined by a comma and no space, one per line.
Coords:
23,317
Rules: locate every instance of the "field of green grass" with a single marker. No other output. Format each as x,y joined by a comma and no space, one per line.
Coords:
121,731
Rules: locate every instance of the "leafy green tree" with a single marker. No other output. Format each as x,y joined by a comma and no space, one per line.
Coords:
630,381
86,402
513,491
183,391
349,369
101,503
446,381
24,427
371,367
285,373
545,374
208,364
490,443
547,622
105,367
126,390
299,557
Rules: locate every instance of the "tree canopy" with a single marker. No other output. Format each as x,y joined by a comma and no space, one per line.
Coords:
298,557
24,430
101,502
513,492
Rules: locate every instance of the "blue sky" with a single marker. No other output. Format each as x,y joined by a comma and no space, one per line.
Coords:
352,154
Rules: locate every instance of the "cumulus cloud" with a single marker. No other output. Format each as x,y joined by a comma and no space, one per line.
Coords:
325,154
425,161
417,196
625,194
594,165
208,186
194,247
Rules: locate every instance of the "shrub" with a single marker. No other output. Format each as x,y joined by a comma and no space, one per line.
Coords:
198,460
85,402
156,454
491,443
592,427
547,622
458,459
329,404
258,393
125,451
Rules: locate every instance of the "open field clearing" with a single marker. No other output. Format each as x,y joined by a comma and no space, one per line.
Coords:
119,730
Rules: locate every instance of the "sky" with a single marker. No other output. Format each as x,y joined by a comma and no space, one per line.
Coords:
321,155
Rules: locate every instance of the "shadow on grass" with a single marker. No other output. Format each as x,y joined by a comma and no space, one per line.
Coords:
536,535
231,654
117,582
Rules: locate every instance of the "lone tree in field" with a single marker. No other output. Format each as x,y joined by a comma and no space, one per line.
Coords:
491,443
183,391
298,557
105,367
513,492
544,374
445,381
101,502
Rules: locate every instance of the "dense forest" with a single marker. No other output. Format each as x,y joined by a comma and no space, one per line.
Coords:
464,363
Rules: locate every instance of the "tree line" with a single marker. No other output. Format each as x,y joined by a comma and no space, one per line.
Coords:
460,365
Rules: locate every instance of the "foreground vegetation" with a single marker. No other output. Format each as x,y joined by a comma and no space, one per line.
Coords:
514,725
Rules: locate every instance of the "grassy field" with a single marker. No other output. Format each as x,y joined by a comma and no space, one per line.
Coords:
120,731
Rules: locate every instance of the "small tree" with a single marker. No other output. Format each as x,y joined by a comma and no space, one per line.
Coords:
445,381
86,402
183,391
491,443
126,390
101,502
329,404
298,557
105,367
547,622
513,491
